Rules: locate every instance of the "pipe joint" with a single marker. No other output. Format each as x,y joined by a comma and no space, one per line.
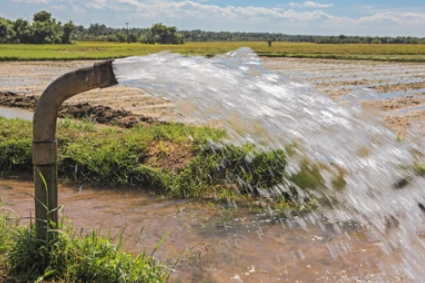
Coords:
45,152
104,74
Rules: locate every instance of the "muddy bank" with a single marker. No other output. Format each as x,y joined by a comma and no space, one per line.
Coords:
100,114
394,103
11,99
105,115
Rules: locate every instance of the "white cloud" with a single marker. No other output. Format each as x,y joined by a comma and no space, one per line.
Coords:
188,14
94,5
58,7
78,9
198,10
310,4
405,19
167,9
31,1
191,9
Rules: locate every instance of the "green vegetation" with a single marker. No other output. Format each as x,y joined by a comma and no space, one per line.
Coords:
177,160
71,258
104,50
7,227
162,34
44,29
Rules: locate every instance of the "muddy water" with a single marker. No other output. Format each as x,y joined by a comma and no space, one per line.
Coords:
216,244
15,113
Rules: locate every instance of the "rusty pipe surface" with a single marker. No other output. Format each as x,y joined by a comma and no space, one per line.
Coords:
100,75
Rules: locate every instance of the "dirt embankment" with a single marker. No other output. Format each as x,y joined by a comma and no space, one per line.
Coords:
11,99
100,114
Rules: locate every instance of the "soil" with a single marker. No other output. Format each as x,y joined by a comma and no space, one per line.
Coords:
5,279
100,114
31,78
105,115
169,155
11,99
399,87
128,107
376,77
395,103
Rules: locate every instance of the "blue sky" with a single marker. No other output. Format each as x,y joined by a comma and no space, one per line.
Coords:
333,17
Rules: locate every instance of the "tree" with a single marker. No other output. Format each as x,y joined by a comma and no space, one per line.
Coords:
132,37
44,29
42,16
7,34
24,32
68,29
162,34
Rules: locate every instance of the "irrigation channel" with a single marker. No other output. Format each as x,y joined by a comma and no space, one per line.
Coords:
368,232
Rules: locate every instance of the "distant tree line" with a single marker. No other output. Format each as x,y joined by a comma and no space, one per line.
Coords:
99,32
199,35
45,29
157,34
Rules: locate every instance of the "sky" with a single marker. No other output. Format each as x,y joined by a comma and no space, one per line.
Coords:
333,17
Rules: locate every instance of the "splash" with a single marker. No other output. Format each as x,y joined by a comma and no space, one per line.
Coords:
265,108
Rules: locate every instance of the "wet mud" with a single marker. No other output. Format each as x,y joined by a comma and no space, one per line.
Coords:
100,114
105,115
11,99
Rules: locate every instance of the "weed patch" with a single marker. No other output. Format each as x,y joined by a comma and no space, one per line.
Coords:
71,258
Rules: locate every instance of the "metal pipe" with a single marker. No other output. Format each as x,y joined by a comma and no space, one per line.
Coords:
100,75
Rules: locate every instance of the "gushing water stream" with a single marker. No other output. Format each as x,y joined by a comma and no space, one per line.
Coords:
264,108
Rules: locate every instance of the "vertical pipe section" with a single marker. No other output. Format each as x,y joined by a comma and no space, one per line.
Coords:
100,75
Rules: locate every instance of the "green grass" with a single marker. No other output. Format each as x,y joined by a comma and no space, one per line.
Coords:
72,258
102,50
7,228
172,159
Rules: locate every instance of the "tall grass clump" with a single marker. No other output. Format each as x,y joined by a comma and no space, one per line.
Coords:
71,258
7,229
15,146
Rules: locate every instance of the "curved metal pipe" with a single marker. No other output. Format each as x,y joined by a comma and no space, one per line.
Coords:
100,75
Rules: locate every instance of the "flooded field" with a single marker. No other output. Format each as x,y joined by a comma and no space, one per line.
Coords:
398,88
395,90
217,244
31,78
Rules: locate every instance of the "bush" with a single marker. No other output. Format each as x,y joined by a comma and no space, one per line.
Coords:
91,258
